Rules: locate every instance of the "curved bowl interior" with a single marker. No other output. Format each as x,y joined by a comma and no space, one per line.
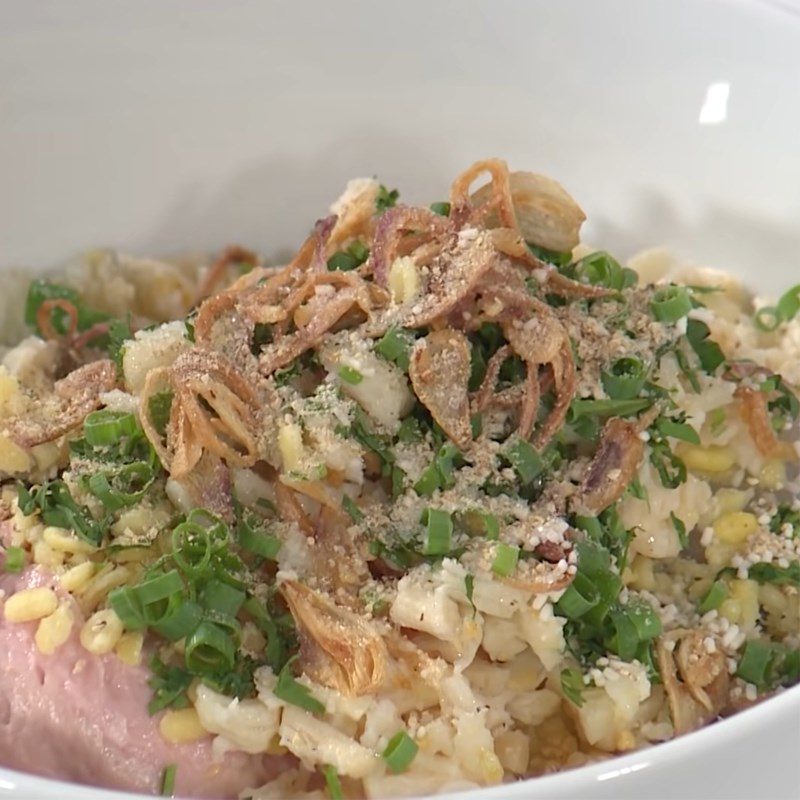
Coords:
159,127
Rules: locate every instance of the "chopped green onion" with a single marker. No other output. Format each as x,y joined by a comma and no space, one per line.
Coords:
671,303
168,781
763,572
677,430
526,461
221,597
441,208
58,508
789,303
754,666
680,529
124,487
332,782
289,690
572,685
617,408
550,256
15,559
106,427
209,649
400,752
469,587
350,375
439,473
256,541
353,511
395,346
180,619
708,351
602,269
491,525
347,260
385,198
505,559
625,379
438,533
767,319
714,597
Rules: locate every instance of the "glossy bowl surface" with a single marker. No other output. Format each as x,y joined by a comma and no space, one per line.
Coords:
161,127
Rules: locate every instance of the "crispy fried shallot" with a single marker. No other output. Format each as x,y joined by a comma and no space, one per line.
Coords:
613,467
392,233
439,370
754,410
214,409
44,318
229,256
338,648
73,398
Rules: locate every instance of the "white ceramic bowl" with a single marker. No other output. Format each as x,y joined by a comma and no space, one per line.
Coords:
170,126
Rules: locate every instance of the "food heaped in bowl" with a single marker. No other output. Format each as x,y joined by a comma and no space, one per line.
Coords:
450,500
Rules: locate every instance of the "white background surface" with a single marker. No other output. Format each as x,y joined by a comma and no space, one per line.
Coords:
185,125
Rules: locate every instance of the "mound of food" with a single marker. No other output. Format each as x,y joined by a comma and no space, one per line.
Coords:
449,500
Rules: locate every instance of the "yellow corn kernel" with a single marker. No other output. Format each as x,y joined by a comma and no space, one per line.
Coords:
65,541
772,598
13,459
727,500
403,279
290,444
54,629
625,741
641,573
731,609
735,527
140,521
773,474
101,632
709,459
743,597
45,555
490,766
96,590
180,727
30,604
75,578
129,648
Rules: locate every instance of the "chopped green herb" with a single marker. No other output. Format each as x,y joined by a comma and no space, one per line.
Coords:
505,559
438,532
671,303
289,690
168,781
714,597
625,379
400,752
385,198
680,529
786,516
572,685
469,589
677,430
550,256
15,559
755,663
351,258
332,782
350,375
779,576
353,511
159,407
395,346
525,460
441,208
708,351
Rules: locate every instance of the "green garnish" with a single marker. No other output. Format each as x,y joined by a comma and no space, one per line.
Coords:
289,690
58,508
602,269
671,303
779,576
395,346
572,685
385,198
714,597
505,559
159,407
625,379
768,319
332,782
708,351
353,511
438,532
15,559
525,460
400,752
351,258
441,208
168,781
350,375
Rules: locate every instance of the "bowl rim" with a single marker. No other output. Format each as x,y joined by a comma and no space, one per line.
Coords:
743,723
